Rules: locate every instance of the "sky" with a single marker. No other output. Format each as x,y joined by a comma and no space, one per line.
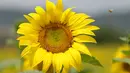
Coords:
94,8
90,6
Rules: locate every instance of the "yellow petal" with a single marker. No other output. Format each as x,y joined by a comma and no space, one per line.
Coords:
82,31
26,31
91,27
27,40
26,28
59,5
54,13
82,24
47,61
26,65
39,56
35,16
76,56
50,6
38,18
30,49
57,62
43,16
84,38
39,10
45,19
71,60
32,38
33,22
24,42
80,20
35,45
53,61
30,55
25,25
65,61
82,48
29,18
66,15
26,51
76,18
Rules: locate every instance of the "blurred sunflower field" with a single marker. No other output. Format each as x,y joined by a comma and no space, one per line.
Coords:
64,36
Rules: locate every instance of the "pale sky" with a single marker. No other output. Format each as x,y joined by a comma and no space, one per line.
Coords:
81,5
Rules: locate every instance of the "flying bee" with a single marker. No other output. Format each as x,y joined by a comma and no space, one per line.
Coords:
110,10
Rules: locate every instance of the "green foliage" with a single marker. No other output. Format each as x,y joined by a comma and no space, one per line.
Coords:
126,52
124,60
35,71
91,60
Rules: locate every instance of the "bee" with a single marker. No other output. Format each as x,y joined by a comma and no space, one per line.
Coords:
110,10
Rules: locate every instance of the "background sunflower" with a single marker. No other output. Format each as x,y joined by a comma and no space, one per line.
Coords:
121,66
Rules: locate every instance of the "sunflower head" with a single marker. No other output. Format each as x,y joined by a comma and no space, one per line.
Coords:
54,38
121,67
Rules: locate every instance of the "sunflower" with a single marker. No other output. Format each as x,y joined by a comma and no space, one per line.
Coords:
121,67
54,38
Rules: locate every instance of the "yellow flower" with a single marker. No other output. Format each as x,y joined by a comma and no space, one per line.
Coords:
54,38
26,63
121,67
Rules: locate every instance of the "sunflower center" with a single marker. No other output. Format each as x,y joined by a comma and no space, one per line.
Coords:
55,38
126,67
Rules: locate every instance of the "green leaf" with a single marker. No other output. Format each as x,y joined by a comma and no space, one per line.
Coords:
126,52
124,60
91,60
